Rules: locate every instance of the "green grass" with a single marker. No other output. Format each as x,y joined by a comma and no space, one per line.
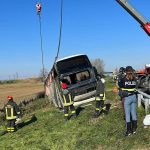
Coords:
109,84
49,131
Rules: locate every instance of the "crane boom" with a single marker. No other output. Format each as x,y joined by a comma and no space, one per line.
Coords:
136,15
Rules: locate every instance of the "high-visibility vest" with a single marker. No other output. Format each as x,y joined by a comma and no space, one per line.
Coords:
10,112
67,100
100,95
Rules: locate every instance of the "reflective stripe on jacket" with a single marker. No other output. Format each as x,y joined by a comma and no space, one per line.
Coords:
10,114
67,100
100,97
11,110
129,90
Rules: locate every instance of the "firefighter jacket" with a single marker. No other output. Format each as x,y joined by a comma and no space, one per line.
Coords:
11,110
67,97
127,87
100,89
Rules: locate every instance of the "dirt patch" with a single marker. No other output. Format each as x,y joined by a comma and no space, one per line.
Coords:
21,90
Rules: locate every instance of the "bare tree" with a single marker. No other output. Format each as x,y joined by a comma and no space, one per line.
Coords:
43,74
98,64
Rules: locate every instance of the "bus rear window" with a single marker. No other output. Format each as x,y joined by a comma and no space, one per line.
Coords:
72,64
77,77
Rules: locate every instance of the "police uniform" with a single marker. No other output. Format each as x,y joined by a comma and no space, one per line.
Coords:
120,76
127,91
67,102
11,111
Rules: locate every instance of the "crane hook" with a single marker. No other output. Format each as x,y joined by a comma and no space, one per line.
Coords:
38,8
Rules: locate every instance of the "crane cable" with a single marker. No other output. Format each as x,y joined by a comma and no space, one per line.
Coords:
60,31
39,7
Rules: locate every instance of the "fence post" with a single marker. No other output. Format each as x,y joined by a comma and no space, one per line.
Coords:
139,100
146,105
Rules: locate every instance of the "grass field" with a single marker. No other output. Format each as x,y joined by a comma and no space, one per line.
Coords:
21,89
47,130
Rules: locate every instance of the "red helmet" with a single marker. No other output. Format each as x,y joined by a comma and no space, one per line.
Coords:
63,85
9,97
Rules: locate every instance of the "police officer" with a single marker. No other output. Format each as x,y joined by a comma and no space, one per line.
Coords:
12,111
127,91
120,76
100,97
67,100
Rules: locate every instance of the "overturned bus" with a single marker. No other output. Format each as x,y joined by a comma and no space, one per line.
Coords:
79,73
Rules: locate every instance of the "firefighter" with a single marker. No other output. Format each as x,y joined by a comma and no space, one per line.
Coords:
100,97
12,112
67,100
127,91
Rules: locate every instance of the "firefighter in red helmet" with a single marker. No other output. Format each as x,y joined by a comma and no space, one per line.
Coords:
11,111
67,101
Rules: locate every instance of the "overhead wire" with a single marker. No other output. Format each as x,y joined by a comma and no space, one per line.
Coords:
60,31
41,37
60,35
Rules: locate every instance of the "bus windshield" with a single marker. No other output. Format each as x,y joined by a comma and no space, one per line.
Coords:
73,64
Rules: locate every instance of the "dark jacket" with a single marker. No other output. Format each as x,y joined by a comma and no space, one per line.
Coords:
100,89
11,110
126,87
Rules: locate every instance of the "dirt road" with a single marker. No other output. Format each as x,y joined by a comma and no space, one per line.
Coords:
21,90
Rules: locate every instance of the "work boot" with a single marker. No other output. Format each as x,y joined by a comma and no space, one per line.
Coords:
128,126
134,126
108,107
66,118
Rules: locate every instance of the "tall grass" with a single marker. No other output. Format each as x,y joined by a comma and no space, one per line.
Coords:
49,131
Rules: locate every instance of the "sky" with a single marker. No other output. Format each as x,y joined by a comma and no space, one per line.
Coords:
98,28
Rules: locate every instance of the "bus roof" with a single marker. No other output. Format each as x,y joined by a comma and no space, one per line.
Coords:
70,57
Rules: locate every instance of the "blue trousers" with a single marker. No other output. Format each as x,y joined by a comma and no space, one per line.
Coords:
130,107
